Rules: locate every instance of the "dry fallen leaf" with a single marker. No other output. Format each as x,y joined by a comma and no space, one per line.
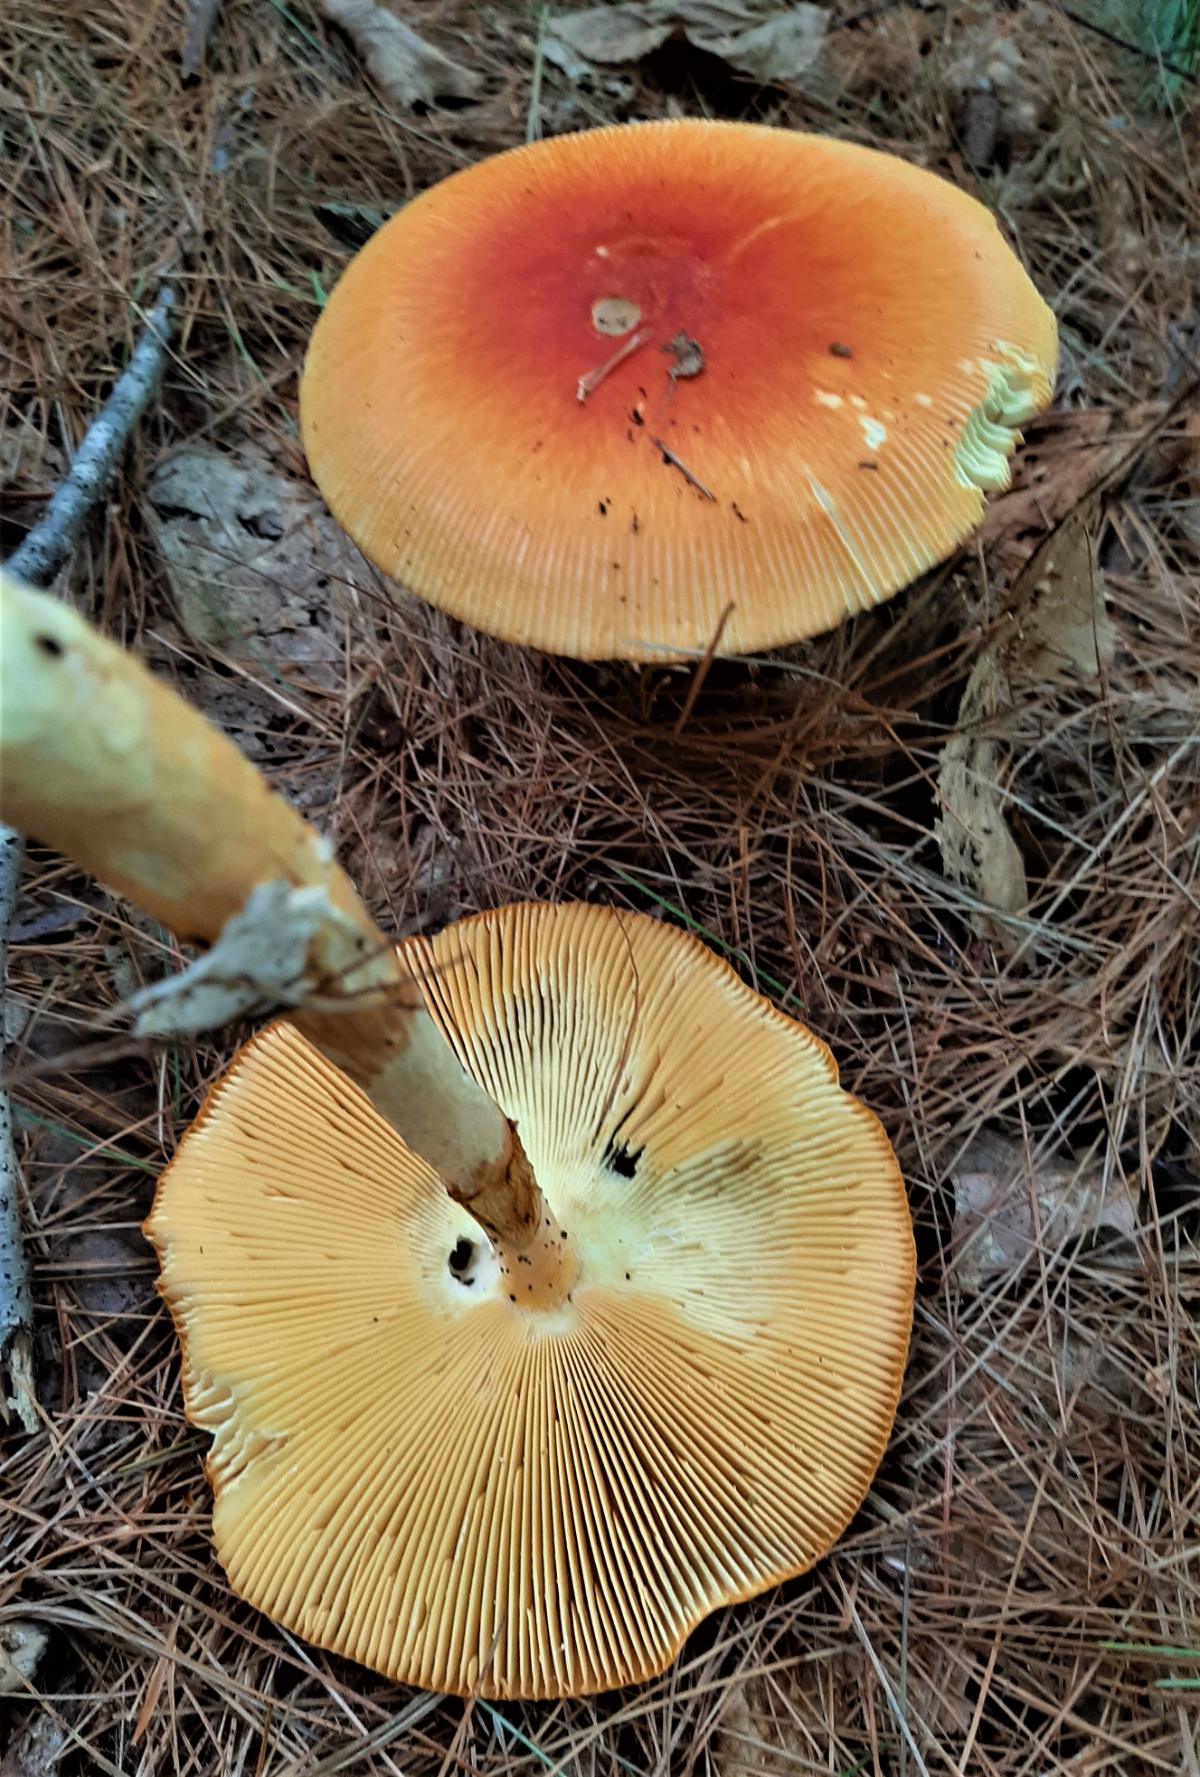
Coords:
1058,623
978,851
410,71
755,37
21,1648
744,1744
1008,1206
259,569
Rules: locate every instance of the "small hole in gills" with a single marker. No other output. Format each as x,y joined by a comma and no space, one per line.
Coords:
461,1255
619,1159
615,316
50,645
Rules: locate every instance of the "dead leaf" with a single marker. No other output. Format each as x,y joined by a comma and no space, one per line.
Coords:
746,1742
410,71
21,1648
260,570
202,15
755,37
1058,624
27,455
35,1749
1009,1206
1060,620
978,851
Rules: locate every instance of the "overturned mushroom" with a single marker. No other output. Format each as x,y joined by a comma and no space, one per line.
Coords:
531,1471
592,392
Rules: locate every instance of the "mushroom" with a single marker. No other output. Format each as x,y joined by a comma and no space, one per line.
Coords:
531,1471
625,392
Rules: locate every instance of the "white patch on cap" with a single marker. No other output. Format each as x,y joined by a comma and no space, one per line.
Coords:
826,399
615,316
923,400
874,433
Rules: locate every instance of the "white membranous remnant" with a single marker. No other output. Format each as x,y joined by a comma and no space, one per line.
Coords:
1016,390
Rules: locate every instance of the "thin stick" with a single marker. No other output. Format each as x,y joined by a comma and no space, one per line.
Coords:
701,672
37,560
669,456
41,554
16,1301
591,379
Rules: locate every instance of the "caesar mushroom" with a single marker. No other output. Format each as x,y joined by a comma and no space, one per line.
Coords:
531,1470
620,392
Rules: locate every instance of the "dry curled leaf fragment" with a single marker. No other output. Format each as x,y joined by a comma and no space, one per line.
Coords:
22,1645
767,42
1008,1205
410,71
1059,624
260,961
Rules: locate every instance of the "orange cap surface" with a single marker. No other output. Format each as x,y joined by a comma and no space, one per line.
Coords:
425,1461
801,364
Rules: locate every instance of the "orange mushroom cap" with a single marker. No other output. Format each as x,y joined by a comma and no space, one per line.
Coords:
485,1472
599,393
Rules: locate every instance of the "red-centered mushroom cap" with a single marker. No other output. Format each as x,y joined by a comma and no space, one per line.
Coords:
603,392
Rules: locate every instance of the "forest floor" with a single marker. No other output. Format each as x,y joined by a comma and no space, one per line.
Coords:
1020,1594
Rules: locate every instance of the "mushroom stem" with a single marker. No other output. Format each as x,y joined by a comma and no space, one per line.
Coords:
113,769
539,1274
511,1208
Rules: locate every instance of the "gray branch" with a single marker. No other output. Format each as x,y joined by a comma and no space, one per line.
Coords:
37,560
16,1302
41,554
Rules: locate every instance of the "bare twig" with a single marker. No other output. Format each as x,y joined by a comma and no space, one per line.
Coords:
591,380
41,554
701,672
668,456
16,1303
37,560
